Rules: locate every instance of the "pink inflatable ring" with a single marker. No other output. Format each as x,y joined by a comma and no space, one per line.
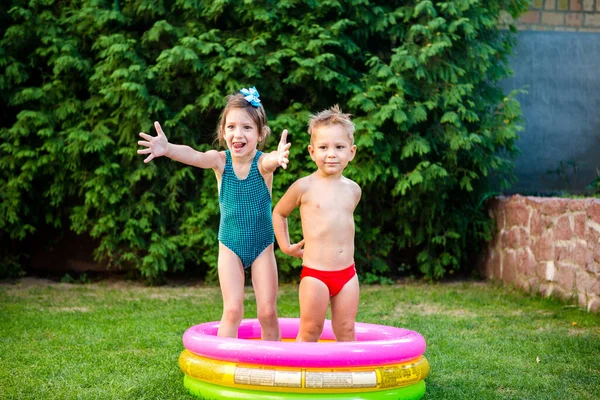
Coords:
375,345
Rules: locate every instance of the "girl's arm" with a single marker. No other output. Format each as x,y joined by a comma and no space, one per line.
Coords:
274,159
158,146
289,201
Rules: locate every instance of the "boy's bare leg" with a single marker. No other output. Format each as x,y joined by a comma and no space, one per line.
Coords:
231,280
344,307
264,281
314,301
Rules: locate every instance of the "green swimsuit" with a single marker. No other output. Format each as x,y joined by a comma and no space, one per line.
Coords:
246,226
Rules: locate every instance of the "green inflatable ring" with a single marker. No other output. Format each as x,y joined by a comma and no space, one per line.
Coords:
208,391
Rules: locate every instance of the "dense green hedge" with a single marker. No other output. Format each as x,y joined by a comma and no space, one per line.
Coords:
80,79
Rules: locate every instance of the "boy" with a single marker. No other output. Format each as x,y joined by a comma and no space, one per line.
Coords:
327,201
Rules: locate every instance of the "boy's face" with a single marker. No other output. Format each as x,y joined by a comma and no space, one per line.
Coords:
331,149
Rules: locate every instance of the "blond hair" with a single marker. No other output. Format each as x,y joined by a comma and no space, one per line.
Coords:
256,114
331,116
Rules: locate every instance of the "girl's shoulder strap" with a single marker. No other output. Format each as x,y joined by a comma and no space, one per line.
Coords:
257,156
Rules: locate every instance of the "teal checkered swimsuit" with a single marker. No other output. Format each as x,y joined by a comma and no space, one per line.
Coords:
246,226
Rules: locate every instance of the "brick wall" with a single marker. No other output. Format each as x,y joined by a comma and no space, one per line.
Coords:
559,15
549,246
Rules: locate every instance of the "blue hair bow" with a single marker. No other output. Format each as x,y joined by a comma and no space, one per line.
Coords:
251,95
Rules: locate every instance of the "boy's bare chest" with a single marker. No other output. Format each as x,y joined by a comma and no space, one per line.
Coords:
328,199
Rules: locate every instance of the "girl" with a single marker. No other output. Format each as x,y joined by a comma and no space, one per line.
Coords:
244,179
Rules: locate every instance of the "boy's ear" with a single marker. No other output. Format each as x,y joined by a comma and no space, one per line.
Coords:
311,151
352,152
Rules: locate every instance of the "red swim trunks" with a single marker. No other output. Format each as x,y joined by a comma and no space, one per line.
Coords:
334,280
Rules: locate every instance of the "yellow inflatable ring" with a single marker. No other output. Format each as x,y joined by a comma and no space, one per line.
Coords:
215,392
303,380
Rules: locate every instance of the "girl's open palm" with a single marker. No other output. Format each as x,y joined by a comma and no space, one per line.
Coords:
156,145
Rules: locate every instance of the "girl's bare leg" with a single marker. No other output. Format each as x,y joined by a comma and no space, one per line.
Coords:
231,280
264,281
314,300
344,307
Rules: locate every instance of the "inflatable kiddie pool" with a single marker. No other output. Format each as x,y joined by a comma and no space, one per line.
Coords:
383,363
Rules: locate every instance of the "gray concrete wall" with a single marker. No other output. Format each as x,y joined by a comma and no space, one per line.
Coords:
561,73
557,60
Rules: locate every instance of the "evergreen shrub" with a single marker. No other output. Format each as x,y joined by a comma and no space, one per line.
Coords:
80,79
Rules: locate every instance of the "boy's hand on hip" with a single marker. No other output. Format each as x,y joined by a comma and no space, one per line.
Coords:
296,250
283,150
156,145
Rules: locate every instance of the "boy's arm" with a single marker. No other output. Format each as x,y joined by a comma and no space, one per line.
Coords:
274,159
289,201
158,146
357,193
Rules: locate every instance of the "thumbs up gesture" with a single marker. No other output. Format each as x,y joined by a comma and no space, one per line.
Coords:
283,150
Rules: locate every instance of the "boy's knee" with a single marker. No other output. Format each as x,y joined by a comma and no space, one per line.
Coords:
344,331
310,331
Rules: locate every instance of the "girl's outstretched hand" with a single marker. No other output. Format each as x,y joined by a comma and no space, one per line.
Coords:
283,150
156,145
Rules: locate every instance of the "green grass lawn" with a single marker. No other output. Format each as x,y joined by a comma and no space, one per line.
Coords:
121,340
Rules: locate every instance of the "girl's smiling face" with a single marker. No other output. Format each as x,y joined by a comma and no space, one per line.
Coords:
241,133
